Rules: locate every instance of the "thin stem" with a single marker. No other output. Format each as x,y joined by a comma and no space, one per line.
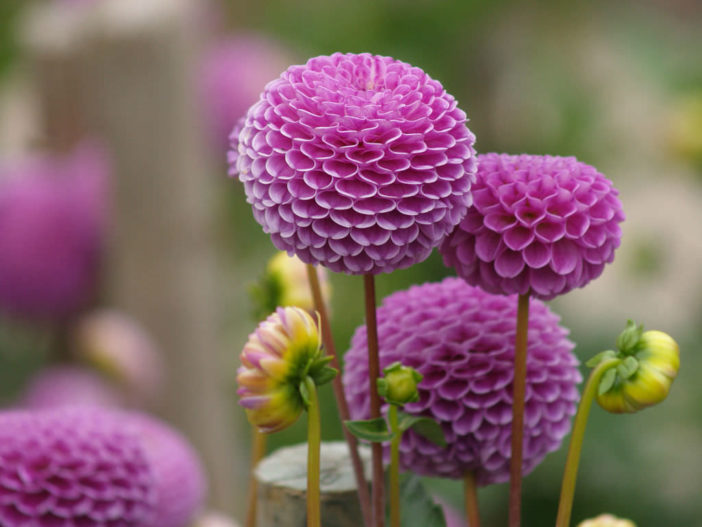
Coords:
314,441
373,374
565,505
258,450
519,394
341,403
471,495
394,467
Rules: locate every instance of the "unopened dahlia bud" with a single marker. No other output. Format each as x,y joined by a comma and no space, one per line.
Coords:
649,363
285,283
284,350
399,385
606,520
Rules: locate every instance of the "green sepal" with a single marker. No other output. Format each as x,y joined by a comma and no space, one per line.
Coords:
607,381
325,375
382,385
304,393
630,337
373,430
417,504
594,361
265,295
628,367
424,426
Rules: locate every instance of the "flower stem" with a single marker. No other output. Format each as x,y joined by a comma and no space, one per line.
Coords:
341,403
258,450
373,374
471,496
518,396
394,467
314,441
565,505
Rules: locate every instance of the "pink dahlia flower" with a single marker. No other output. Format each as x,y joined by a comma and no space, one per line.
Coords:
461,339
51,227
541,225
72,467
360,163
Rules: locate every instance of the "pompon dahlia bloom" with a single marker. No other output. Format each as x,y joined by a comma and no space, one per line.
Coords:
69,386
539,224
360,163
51,225
461,339
278,356
72,467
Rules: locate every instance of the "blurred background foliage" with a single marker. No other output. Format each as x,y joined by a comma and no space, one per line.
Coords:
616,84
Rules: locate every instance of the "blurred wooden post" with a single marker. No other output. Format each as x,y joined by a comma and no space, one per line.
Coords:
140,98
282,479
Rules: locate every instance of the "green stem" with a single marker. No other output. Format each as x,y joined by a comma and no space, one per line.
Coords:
314,440
258,450
394,467
565,505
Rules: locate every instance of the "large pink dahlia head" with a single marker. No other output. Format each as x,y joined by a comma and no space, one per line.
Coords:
461,339
541,225
360,163
73,468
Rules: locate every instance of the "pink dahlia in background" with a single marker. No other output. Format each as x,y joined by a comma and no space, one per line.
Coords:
461,339
361,163
234,72
540,225
72,467
51,228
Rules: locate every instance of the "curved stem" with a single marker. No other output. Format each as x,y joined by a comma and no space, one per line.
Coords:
258,450
373,374
341,403
565,505
314,441
518,396
471,496
394,467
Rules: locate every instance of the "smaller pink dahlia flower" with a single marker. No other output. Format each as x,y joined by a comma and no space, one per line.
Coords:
461,339
72,467
541,225
358,162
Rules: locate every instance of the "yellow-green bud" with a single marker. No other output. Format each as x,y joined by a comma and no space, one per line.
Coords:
606,520
399,384
643,377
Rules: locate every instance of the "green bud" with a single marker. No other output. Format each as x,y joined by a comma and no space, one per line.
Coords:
399,385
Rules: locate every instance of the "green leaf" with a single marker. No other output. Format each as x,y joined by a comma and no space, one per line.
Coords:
607,381
424,426
417,506
374,430
324,375
628,368
594,361
304,393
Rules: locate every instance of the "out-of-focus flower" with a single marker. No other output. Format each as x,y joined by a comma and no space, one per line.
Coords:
118,346
283,351
398,385
606,520
178,473
73,467
69,386
51,226
214,519
685,127
461,339
360,163
234,72
285,283
541,225
649,363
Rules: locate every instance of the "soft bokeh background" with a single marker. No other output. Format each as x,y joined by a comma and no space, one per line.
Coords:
616,84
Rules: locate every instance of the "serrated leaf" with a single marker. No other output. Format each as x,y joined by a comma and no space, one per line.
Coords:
424,426
594,361
324,375
607,381
628,367
374,430
417,506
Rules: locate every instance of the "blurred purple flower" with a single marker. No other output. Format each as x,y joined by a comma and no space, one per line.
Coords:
359,162
461,339
52,211
541,225
72,467
234,72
